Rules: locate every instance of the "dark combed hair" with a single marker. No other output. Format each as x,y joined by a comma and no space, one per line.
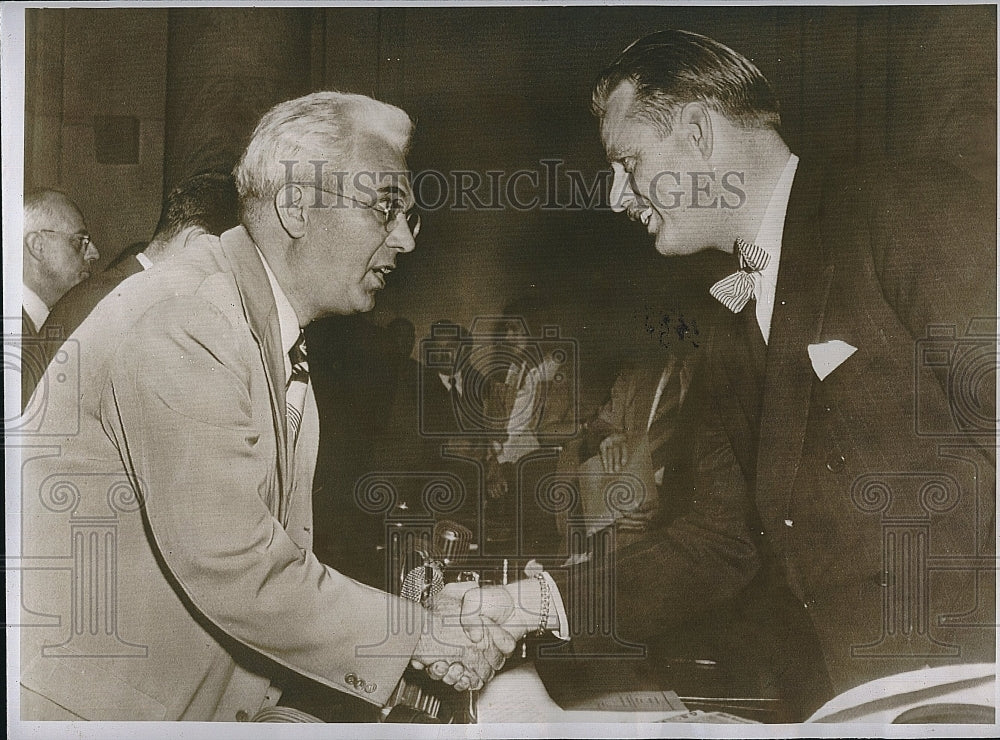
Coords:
671,68
207,200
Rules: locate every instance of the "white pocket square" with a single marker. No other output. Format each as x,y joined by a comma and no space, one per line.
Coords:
828,356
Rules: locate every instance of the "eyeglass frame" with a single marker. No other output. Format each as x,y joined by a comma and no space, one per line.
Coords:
388,225
85,240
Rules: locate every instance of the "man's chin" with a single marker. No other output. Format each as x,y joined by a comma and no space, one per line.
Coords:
366,303
665,246
671,248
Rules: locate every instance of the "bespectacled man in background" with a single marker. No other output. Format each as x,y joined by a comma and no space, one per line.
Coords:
58,253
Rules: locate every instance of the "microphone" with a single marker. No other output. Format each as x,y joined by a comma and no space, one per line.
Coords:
422,578
452,542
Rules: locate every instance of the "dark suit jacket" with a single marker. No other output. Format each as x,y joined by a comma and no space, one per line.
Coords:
864,498
33,359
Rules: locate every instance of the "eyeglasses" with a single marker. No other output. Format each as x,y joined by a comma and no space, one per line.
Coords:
390,209
81,242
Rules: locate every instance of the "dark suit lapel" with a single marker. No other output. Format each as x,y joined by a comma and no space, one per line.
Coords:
732,380
803,287
262,316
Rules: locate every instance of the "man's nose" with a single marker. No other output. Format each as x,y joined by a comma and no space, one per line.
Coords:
401,237
621,189
91,255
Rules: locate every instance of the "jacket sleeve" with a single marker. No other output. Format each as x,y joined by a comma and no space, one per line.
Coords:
179,405
932,235
695,562
933,242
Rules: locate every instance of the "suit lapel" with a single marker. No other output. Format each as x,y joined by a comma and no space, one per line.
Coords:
28,327
800,302
262,317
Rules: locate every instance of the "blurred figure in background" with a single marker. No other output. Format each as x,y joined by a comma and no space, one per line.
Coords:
57,254
203,204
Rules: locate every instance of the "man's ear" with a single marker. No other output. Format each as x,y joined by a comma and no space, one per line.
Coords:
34,245
696,122
290,205
192,233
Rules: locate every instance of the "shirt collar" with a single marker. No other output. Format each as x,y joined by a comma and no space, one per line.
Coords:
769,234
288,322
446,380
34,306
145,261
769,239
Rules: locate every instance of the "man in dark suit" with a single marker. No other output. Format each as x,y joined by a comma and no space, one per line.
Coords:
847,458
57,253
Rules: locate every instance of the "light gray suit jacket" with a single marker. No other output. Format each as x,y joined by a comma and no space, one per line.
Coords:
167,532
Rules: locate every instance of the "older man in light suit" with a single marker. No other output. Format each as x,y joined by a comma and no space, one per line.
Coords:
178,494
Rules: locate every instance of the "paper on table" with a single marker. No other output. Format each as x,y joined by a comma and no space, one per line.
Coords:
518,695
715,718
633,701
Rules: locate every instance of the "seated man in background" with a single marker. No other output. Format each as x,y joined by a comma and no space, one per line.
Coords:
190,442
643,431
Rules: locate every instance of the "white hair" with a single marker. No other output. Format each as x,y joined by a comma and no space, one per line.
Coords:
40,207
327,127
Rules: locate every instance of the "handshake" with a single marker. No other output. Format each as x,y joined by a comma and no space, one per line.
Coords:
473,629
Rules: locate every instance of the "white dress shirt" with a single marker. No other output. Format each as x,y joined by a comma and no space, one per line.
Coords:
769,239
288,322
523,419
446,381
146,262
34,306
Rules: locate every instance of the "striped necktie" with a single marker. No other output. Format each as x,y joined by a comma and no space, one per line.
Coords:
733,291
298,381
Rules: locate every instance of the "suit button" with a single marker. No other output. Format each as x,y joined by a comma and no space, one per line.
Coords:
242,715
835,463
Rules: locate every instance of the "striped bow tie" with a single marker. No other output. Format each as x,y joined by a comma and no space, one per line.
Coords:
734,291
